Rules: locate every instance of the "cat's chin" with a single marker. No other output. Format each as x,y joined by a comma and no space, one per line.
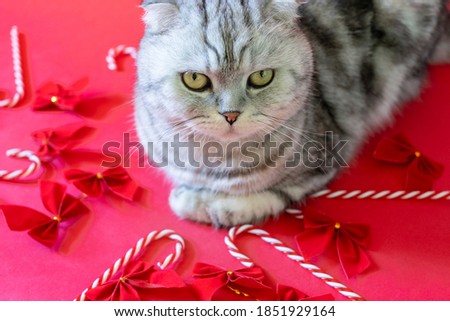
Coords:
233,134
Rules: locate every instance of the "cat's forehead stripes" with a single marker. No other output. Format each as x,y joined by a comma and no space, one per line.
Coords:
226,31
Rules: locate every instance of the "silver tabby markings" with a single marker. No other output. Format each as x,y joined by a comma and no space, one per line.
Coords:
339,66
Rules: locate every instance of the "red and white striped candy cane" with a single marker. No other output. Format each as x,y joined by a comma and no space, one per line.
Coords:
18,72
114,53
295,212
290,253
21,174
386,194
135,251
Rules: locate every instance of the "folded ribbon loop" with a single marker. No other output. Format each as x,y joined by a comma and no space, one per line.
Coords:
422,171
54,141
215,283
350,240
56,97
116,179
41,227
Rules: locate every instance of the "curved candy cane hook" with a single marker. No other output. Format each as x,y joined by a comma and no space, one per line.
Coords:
114,53
20,174
290,253
132,253
18,72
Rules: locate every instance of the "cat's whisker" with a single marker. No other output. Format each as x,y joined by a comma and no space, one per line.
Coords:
275,130
166,137
283,121
303,133
318,145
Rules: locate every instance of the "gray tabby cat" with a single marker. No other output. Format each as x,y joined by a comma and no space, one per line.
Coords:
220,73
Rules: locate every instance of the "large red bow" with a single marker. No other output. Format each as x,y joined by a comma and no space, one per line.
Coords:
286,293
142,281
351,240
53,96
43,228
217,284
93,184
422,171
54,141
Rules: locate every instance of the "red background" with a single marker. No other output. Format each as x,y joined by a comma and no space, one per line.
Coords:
67,40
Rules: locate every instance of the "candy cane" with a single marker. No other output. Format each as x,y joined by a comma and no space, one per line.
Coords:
18,72
387,195
21,173
132,253
290,253
295,212
114,53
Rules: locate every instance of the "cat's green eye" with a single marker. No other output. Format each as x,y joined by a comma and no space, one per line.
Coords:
196,81
261,78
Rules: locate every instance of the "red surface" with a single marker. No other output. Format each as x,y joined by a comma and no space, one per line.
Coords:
68,40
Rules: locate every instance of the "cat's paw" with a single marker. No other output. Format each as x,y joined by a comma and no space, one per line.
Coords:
223,210
189,204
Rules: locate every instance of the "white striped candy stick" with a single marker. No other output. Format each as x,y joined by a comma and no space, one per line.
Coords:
385,194
290,253
21,174
135,251
295,212
18,72
114,53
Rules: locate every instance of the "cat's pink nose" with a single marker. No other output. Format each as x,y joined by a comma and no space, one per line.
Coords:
231,116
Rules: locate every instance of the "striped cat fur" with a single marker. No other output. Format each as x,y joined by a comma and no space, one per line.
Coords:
341,69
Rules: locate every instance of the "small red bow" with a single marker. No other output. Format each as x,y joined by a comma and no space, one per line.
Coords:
286,293
217,284
53,96
142,281
54,141
351,241
43,228
422,171
115,179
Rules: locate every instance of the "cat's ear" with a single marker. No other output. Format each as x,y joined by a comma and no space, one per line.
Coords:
160,14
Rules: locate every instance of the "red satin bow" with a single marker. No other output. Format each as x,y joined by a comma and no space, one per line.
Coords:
350,240
217,284
286,293
54,141
142,281
41,227
115,179
53,96
422,171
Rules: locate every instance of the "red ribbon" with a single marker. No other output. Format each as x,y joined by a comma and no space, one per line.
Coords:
287,293
217,284
142,281
350,240
54,141
117,180
56,97
41,227
422,171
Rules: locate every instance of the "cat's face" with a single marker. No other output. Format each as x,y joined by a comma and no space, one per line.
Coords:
227,73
